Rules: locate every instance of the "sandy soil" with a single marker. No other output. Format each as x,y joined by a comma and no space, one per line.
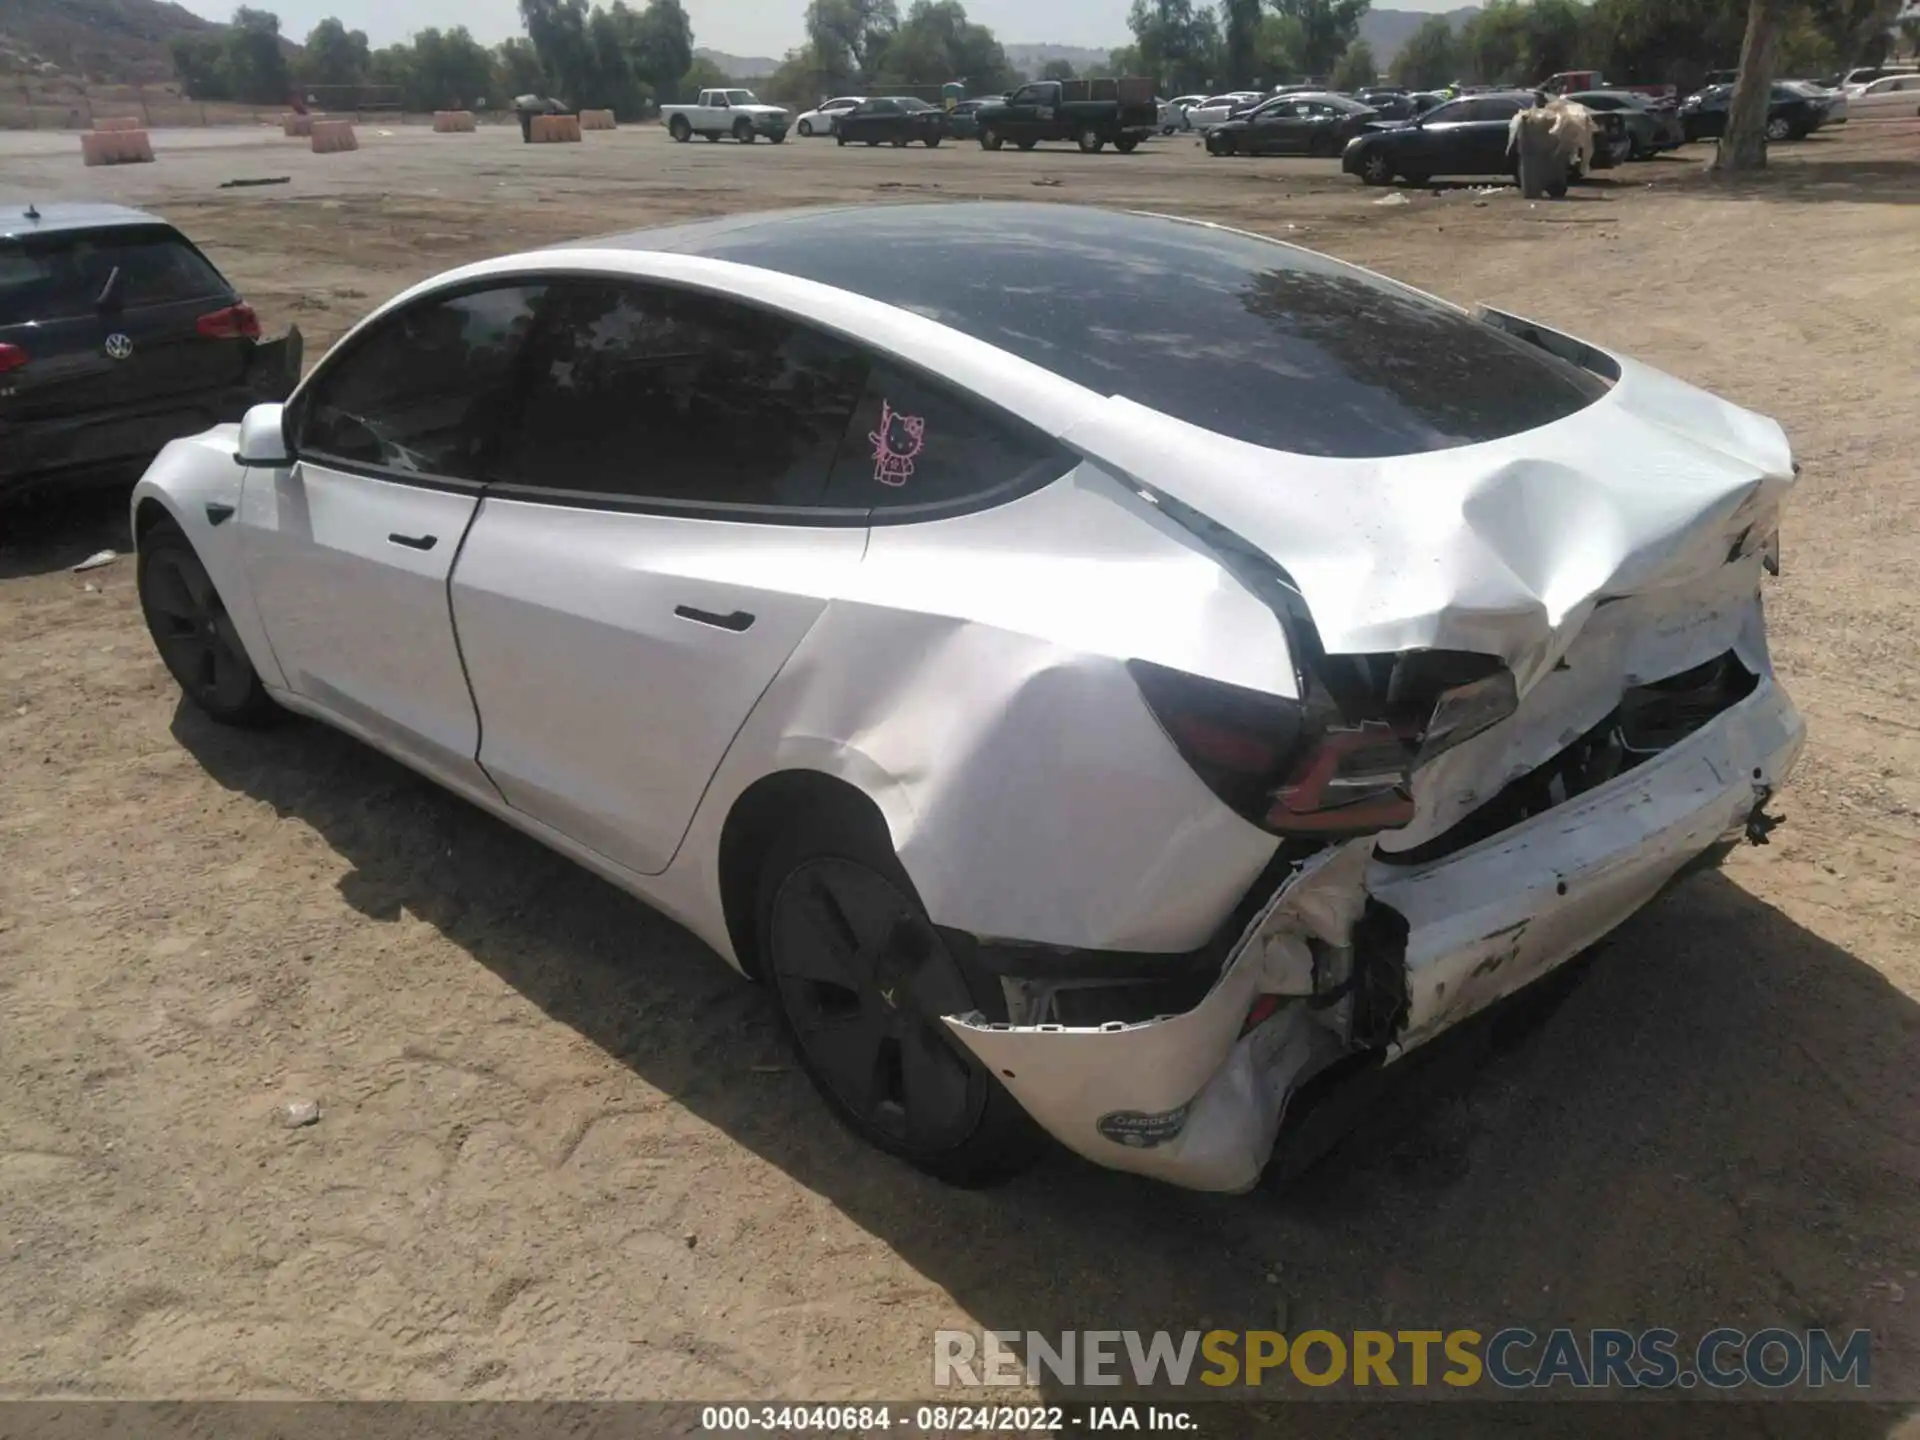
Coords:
562,1152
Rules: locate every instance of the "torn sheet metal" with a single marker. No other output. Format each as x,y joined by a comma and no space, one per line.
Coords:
1186,1098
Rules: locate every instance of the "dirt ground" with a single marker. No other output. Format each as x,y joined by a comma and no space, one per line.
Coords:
562,1152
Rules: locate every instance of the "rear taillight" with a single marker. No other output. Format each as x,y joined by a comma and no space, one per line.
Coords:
1319,769
236,322
12,357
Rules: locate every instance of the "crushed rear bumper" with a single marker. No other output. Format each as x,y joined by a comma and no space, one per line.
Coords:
1197,1098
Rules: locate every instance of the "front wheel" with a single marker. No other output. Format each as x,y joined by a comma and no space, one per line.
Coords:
933,142
899,142
842,141
806,129
194,634
861,979
1376,169
1779,129
1221,144
778,137
990,138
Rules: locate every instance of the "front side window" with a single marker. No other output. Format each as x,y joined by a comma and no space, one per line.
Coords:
917,444
657,394
421,392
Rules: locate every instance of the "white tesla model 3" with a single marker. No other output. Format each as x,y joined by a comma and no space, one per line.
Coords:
1097,670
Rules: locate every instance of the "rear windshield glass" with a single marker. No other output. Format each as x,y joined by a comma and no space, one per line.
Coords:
64,275
1246,337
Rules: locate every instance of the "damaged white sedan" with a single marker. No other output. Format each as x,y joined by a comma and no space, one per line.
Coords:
1095,669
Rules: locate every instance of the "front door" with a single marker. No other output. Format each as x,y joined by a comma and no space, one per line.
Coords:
652,554
349,550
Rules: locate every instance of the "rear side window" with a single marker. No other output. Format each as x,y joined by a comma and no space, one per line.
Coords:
423,392
915,444
657,394
63,276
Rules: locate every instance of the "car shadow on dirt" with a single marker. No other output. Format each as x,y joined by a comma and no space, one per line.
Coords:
1720,1125
56,530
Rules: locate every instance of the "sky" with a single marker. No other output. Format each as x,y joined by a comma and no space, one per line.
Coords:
739,27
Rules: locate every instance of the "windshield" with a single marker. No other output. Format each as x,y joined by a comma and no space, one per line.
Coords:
62,276
1249,338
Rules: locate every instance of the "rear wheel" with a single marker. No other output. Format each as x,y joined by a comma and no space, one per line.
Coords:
933,142
900,142
1127,144
861,979
1026,144
194,634
806,129
1092,142
680,129
1376,169
1779,128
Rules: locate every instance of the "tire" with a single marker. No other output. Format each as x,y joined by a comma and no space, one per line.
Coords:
711,139
1635,150
1779,128
843,141
1221,144
1025,144
1091,142
1376,169
1321,147
680,129
806,129
990,138
743,131
872,144
778,137
933,142
1415,178
1127,144
193,633
859,977
899,142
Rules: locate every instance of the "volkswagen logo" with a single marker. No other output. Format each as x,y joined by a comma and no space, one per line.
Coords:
119,345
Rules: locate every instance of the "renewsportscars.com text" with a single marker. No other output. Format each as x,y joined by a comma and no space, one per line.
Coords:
1513,1358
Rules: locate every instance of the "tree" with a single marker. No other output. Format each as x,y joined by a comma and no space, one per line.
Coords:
1175,43
256,64
1910,32
703,74
1429,59
1744,146
1357,68
848,38
516,70
1327,27
334,55
1057,70
200,64
661,37
1553,38
558,30
1279,49
1240,41
1493,43
937,43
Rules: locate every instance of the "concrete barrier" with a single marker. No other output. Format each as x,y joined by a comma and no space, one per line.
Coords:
332,136
296,127
598,120
555,129
452,122
116,147
122,122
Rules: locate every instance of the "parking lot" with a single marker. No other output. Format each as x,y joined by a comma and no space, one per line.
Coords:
562,1151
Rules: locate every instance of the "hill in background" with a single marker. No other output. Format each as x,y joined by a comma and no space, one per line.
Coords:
105,40
737,67
1386,31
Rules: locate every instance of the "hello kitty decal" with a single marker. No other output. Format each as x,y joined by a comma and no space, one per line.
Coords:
896,445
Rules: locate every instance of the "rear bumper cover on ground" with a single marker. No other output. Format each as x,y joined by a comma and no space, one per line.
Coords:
1190,1099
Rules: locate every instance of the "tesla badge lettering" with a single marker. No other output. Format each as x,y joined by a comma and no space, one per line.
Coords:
896,445
119,345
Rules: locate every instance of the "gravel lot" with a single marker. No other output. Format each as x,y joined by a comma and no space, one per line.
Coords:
562,1152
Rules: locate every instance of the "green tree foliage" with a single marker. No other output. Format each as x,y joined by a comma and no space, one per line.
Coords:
256,68
200,64
1176,43
848,37
1280,48
1057,70
1430,58
611,57
516,71
937,43
1327,28
1240,22
1356,67
334,55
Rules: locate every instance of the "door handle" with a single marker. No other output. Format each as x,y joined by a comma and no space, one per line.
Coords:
415,542
738,621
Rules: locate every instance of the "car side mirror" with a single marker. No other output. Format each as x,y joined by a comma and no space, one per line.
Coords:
263,438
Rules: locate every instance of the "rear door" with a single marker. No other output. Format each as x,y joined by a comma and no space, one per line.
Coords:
111,319
653,550
349,549
1270,129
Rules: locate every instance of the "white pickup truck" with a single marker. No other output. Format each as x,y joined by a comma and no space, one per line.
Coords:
726,112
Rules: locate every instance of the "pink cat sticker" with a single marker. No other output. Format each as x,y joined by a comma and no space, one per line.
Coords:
896,445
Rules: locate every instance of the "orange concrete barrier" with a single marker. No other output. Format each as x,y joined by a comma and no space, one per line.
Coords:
452,122
116,147
123,122
555,129
296,127
332,136
598,120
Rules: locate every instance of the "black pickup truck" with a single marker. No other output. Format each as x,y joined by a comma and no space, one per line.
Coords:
1093,113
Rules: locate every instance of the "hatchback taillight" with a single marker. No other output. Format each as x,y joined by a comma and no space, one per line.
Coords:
12,357
236,322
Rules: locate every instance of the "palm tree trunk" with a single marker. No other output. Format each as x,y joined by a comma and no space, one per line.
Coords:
1744,146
